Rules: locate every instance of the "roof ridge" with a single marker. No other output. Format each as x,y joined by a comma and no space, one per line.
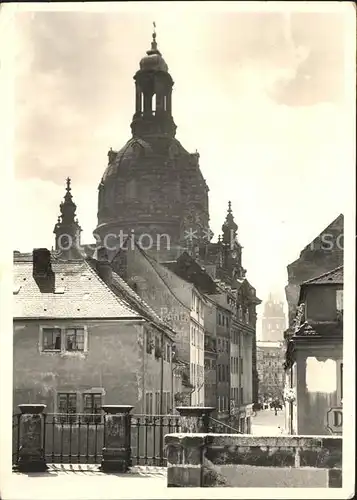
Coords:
322,275
109,289
141,301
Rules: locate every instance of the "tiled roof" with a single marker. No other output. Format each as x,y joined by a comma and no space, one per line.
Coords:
128,294
331,277
78,293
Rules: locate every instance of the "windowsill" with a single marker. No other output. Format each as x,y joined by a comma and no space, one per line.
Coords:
60,351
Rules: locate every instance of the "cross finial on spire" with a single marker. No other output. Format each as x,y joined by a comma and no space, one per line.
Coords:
153,43
229,207
68,181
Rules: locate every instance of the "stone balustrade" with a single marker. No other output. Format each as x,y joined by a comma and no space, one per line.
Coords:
238,460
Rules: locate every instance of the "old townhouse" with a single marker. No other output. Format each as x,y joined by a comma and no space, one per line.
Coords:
235,346
270,366
314,358
230,339
82,336
67,322
188,269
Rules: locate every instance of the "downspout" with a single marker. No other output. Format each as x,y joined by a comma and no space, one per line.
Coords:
291,404
240,368
161,391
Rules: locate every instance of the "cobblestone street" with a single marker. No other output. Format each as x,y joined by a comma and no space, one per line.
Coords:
266,423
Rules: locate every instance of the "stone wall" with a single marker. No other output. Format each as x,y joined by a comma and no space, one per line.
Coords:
231,460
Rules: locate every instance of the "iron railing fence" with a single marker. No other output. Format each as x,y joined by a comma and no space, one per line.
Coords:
73,438
79,438
147,438
218,427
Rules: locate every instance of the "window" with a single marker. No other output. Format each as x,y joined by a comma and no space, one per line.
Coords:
61,339
219,318
168,403
51,339
241,399
339,300
67,406
168,353
241,366
149,343
227,373
74,339
92,407
149,403
157,403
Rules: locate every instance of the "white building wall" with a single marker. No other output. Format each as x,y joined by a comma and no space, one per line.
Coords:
197,349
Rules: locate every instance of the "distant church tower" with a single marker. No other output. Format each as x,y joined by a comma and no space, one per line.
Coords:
152,186
67,230
273,321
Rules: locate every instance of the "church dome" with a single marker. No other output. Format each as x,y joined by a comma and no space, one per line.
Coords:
132,150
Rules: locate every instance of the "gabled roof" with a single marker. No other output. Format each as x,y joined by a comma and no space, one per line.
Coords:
336,224
120,287
334,277
78,292
189,269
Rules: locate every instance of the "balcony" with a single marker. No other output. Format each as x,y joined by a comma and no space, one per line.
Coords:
210,344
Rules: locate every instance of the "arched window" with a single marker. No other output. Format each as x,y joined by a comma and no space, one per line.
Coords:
141,102
153,103
165,98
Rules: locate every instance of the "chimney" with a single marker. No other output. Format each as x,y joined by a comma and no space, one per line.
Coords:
41,258
104,268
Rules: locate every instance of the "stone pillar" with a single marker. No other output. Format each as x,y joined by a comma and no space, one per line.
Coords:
31,452
117,438
195,418
184,460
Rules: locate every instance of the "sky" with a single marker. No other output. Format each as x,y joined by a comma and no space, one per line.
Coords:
260,95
